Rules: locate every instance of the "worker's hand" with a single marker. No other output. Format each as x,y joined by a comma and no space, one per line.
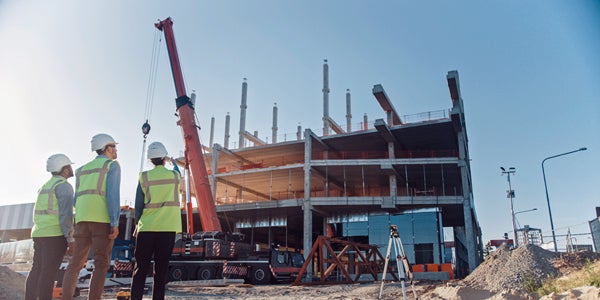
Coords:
114,232
70,248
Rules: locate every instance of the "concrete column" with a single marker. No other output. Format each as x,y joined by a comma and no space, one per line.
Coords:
392,180
243,108
325,99
467,205
390,117
274,127
212,132
393,188
214,167
348,112
307,206
226,142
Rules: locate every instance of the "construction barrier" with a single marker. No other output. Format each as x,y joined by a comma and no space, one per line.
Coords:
432,267
418,268
447,268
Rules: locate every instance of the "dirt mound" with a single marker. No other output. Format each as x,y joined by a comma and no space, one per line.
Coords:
12,284
507,269
570,262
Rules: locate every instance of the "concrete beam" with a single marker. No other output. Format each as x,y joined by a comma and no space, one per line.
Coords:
386,104
379,162
231,154
254,139
333,125
245,189
384,131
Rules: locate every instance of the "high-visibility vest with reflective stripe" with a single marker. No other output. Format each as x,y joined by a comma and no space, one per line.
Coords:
45,212
161,200
90,205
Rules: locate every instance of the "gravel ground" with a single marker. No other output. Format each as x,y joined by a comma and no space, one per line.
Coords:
500,276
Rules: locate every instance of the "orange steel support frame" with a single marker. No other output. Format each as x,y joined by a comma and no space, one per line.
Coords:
326,260
193,149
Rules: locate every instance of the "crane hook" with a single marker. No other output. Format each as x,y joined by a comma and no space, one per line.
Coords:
146,129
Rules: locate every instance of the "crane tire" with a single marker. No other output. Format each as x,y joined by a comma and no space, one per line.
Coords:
260,275
177,273
205,273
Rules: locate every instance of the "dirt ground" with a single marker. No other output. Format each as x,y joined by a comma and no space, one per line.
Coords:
422,290
500,276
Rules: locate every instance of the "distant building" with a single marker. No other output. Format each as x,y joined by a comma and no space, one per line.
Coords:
595,230
16,222
529,236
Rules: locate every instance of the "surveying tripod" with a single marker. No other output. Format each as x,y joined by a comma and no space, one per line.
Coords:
401,262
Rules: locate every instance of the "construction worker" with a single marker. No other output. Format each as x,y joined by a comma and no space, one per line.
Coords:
97,204
52,228
158,215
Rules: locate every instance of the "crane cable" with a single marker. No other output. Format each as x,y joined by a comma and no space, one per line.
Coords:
150,92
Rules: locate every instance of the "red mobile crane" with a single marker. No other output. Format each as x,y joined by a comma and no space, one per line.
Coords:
193,149
213,253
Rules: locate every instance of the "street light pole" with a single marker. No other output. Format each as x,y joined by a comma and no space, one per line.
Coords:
520,212
511,195
524,211
548,198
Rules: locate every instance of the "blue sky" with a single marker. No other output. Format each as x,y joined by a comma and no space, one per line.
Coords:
529,71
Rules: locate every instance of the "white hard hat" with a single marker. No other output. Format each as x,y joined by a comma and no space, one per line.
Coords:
99,141
56,162
157,150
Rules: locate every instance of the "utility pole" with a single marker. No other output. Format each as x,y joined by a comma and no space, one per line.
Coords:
511,194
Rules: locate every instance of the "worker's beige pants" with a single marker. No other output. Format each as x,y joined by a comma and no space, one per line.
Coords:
95,236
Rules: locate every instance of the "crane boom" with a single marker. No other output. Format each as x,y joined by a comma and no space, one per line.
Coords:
193,149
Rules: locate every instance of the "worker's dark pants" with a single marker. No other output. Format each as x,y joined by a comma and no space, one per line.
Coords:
48,253
149,244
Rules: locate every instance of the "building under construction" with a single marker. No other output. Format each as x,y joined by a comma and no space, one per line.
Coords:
355,182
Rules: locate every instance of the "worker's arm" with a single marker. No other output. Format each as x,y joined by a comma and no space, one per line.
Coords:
75,194
64,195
113,197
139,202
175,167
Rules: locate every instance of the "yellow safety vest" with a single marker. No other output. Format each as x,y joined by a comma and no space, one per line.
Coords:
90,205
161,204
45,212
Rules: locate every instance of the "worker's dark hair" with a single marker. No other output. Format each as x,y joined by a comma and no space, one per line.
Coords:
158,161
61,170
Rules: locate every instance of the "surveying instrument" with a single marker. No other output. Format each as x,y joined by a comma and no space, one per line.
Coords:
401,262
